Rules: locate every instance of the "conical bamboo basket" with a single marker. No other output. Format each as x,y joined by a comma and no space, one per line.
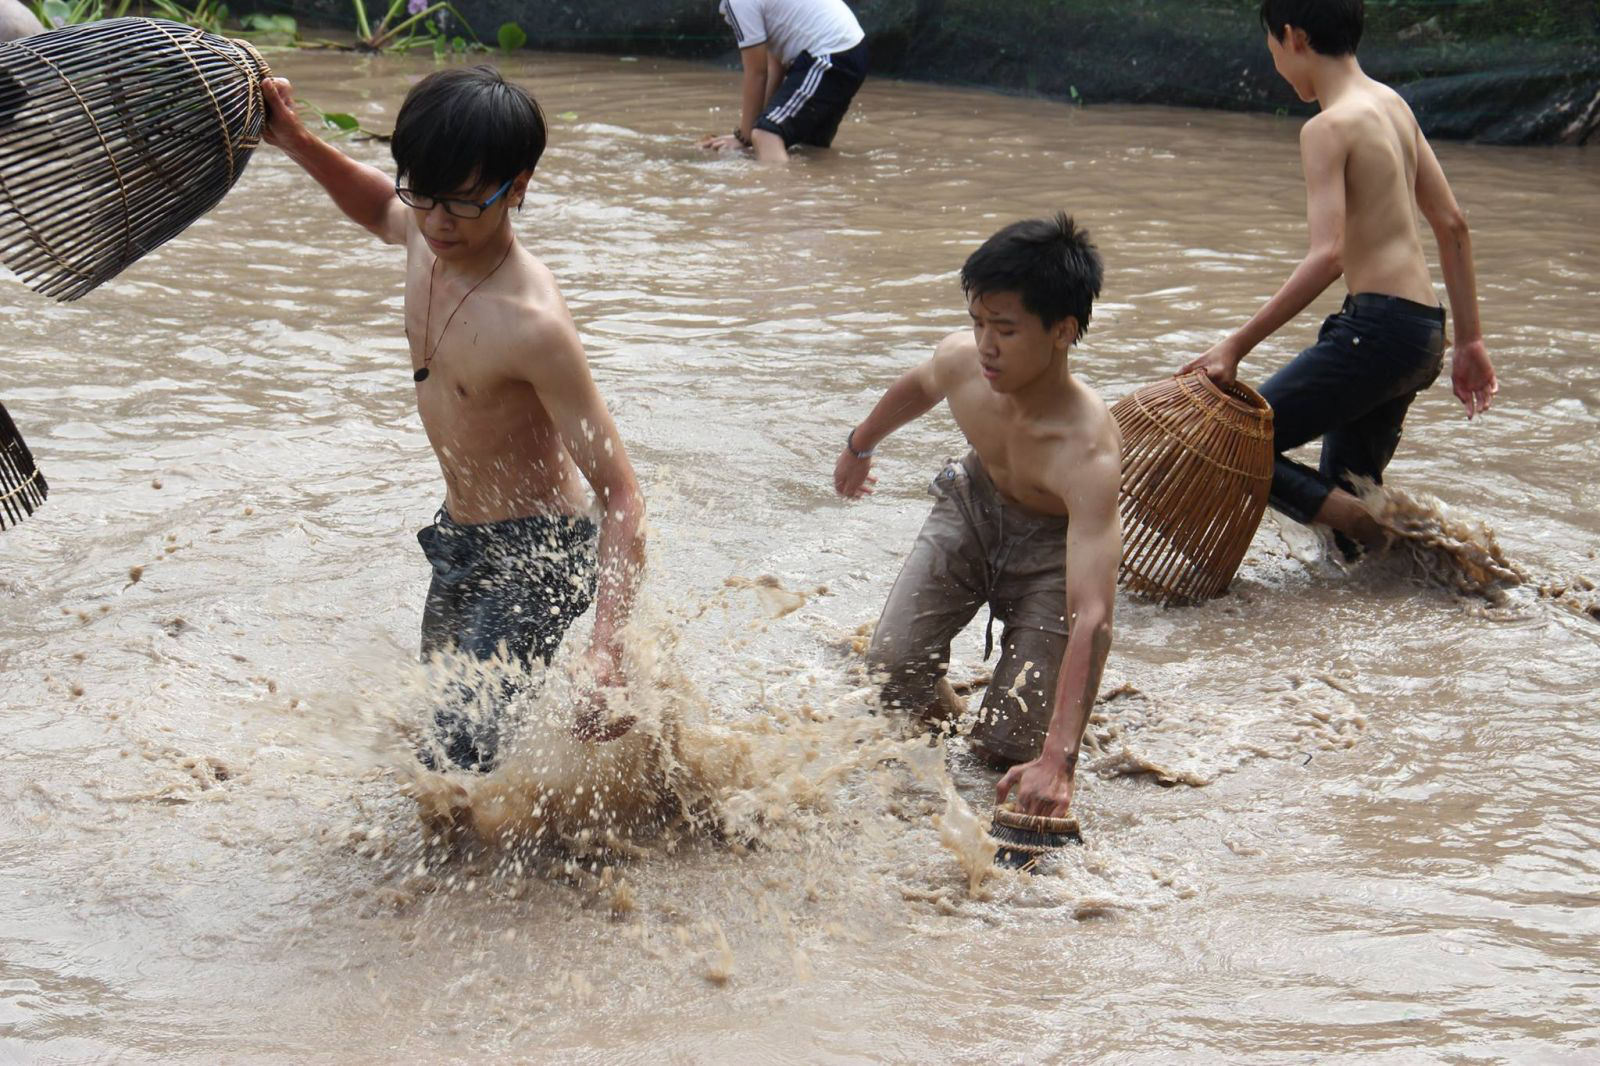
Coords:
1196,468
22,486
114,137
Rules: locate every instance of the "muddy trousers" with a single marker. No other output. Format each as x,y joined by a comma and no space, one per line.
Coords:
1352,388
977,549
501,590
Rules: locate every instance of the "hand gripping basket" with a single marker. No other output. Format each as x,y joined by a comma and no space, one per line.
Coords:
114,137
1196,468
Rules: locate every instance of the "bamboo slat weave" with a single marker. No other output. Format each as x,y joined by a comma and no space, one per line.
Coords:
1196,468
114,137
22,486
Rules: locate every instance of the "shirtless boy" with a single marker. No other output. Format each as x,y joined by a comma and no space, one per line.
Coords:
502,387
803,62
1026,522
1368,169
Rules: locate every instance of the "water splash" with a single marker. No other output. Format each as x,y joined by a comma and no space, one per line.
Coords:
1442,547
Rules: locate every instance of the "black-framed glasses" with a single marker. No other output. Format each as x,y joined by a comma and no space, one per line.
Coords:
453,206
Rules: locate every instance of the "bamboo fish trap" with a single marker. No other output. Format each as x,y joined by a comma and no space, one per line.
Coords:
1196,468
114,137
22,486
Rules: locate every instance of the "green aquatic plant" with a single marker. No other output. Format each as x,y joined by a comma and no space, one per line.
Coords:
511,37
270,29
58,13
343,124
206,15
424,24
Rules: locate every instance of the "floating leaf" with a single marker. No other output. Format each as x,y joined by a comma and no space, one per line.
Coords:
259,23
338,120
511,37
568,116
57,13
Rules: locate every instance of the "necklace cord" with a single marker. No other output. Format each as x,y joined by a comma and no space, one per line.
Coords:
421,374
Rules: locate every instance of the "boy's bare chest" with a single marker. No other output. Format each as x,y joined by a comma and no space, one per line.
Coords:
1020,456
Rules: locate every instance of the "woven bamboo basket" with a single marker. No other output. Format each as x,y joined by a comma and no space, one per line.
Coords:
1196,468
1027,839
114,137
22,486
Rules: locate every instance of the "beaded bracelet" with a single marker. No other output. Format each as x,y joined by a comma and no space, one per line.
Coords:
850,446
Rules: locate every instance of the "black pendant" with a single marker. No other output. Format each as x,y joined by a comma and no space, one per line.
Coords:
421,374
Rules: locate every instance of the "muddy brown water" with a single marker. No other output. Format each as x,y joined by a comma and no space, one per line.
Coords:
1379,839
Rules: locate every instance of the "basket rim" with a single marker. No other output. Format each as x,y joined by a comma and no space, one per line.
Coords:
1012,818
1237,395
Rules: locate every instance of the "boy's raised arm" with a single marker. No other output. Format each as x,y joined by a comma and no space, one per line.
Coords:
1472,374
364,193
1322,153
1094,553
912,395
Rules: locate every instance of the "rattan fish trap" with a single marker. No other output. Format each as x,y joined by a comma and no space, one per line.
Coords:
1196,468
22,486
114,137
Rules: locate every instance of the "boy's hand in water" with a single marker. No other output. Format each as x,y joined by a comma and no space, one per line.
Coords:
722,142
1220,364
603,671
853,477
1043,786
1472,376
283,123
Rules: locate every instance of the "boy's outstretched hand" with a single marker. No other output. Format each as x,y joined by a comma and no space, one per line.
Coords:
593,722
1472,377
852,477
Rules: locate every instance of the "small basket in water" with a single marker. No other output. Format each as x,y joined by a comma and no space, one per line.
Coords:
114,137
1196,469
22,486
1026,839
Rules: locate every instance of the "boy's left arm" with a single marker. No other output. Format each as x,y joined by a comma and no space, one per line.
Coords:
1471,371
560,373
754,92
1322,153
1094,552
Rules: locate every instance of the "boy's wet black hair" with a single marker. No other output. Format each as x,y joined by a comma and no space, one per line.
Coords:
466,123
1049,262
1333,27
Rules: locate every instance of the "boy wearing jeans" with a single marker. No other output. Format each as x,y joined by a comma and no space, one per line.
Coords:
1368,168
803,62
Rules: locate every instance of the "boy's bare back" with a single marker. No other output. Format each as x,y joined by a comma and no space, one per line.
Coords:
1374,133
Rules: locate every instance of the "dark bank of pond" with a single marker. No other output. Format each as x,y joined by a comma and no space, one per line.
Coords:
1511,72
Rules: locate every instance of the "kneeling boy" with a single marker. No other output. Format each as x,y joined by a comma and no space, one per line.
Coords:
1026,522
803,62
502,387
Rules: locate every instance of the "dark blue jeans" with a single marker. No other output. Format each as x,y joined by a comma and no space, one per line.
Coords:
1352,388
507,588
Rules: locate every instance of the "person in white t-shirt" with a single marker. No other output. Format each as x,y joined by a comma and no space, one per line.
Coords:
803,62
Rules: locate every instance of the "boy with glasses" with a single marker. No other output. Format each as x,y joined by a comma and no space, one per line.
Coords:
504,393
